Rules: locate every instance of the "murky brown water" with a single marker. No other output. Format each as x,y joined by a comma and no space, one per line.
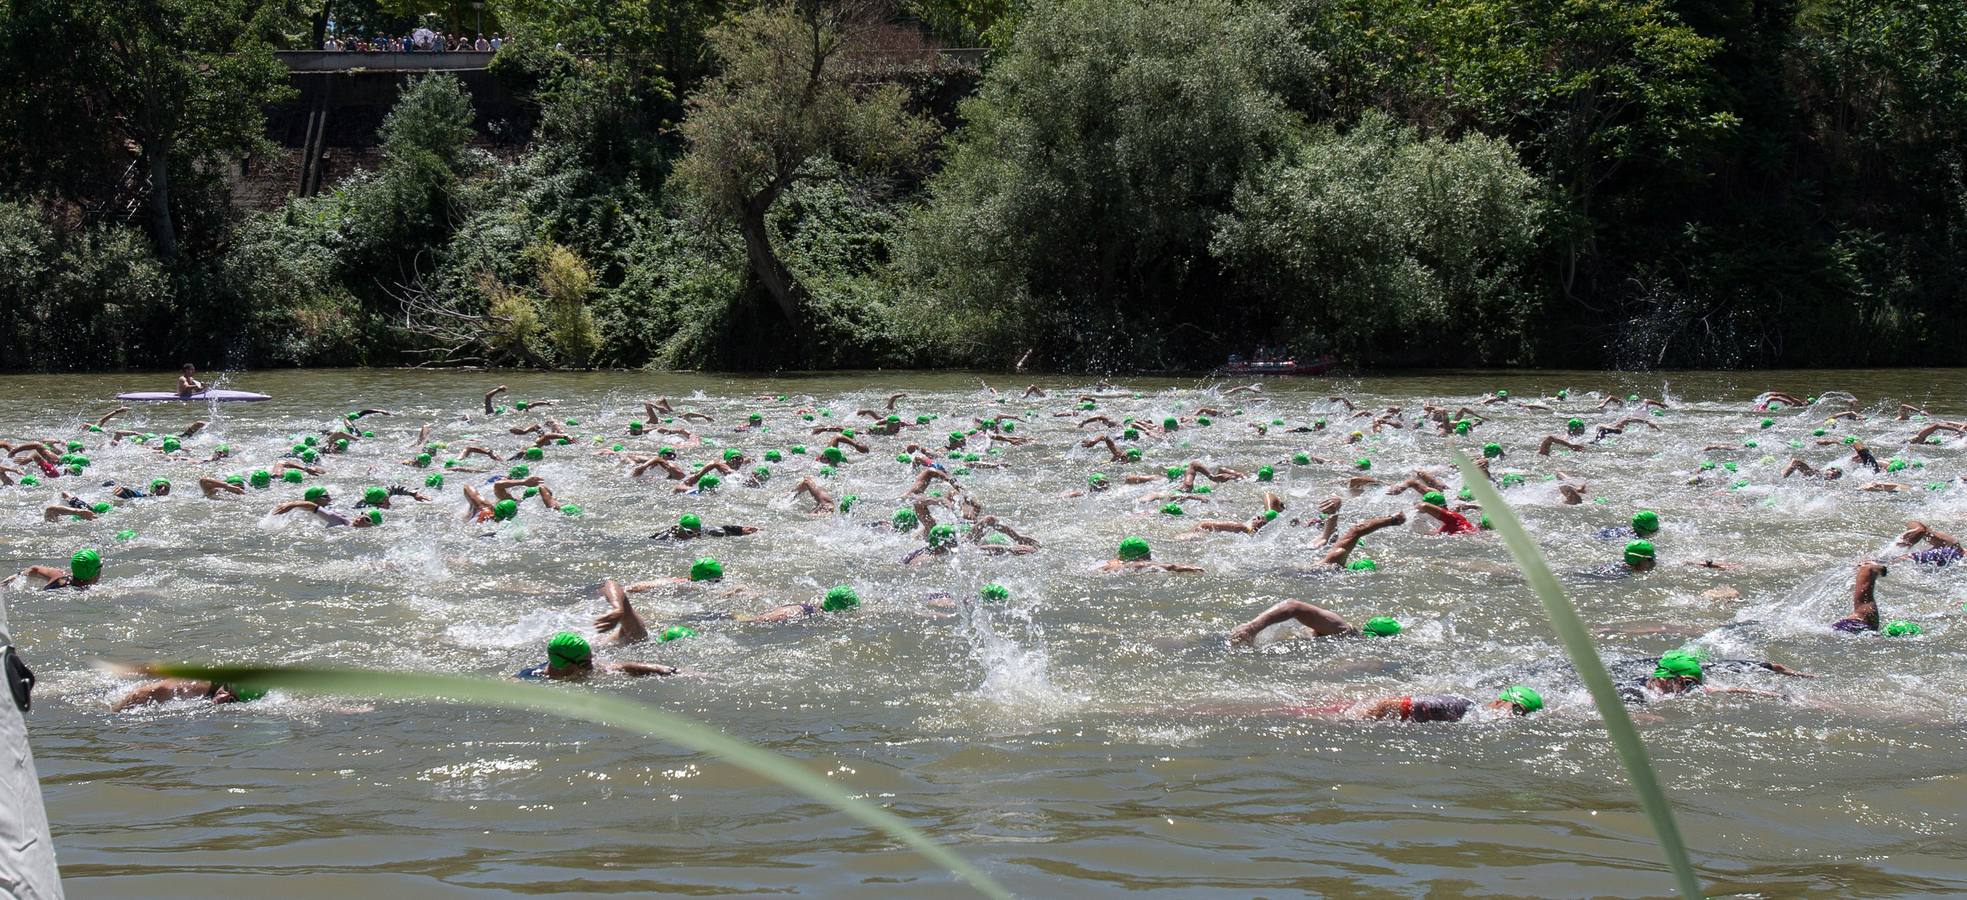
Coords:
1093,737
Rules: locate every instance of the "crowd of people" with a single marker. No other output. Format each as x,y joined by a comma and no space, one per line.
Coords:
803,436
422,40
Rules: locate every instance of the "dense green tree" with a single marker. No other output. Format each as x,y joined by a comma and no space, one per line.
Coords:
792,90
1077,204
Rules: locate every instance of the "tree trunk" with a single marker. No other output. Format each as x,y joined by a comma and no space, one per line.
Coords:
318,29
786,290
161,229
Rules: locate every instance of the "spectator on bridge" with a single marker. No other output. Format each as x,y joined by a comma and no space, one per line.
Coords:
481,45
496,41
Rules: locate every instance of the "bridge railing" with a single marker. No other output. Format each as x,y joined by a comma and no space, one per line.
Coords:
348,60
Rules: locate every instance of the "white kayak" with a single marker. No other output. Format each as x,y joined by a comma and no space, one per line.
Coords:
211,394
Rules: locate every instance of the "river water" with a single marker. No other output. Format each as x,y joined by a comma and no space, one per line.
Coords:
1092,737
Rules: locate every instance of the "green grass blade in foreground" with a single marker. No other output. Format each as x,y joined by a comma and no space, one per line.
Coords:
594,707
1584,656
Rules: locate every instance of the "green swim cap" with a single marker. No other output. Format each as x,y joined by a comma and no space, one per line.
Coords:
942,534
761,473
1265,473
1895,465
666,452
1750,444
904,519
518,472
375,517
1575,426
756,418
535,453
423,459
706,568
1131,434
847,502
127,534
1638,552
1492,451
1850,439
1776,405
1381,626
1768,423
29,480
341,445
100,507
1903,628
732,454
1270,514
262,478
1363,564
1522,698
1364,464
1134,548
773,456
171,445
85,565
689,522
956,437
1170,424
1173,472
309,455
833,455
505,509
1171,509
1707,464
924,419
1133,454
826,471
368,434
840,597
159,484
1435,498
994,593
903,458
434,480
229,479
74,446
1632,398
1679,664
567,649
315,494
635,428
1511,479
292,476
1202,421
376,495
1645,522
1097,479
709,482
676,633
308,441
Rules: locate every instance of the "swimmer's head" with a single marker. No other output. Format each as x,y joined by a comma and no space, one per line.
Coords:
1679,664
1522,699
292,476
1133,454
1639,554
676,633
1097,481
733,454
1645,522
706,568
1134,548
423,460
535,454
375,516
434,480
1434,498
1903,628
235,481
994,593
1265,473
160,487
689,522
833,455
1575,426
1301,458
376,495
1363,464
709,482
1170,423
171,445
635,428
774,456
840,597
316,494
1173,472
1171,508
755,418
1381,626
1462,426
85,565
262,478
1492,451
519,471
567,649
99,507
1363,564
505,509
905,519
942,535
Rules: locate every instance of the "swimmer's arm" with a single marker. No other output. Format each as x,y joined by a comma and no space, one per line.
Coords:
635,669
111,415
45,573
642,586
1714,564
1781,669
1388,708
489,395
1746,692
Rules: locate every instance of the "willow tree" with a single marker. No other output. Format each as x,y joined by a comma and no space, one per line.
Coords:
801,81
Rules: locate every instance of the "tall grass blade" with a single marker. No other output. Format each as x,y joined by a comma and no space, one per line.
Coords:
1584,656
594,707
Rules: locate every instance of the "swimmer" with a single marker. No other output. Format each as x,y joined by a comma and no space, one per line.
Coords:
494,392
1549,441
166,690
379,497
84,569
838,598
1322,622
1639,558
1799,467
1515,700
213,487
1135,556
72,506
1680,672
569,658
822,501
1645,523
158,488
330,517
942,539
1864,602
1336,557
1435,505
690,526
1942,548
